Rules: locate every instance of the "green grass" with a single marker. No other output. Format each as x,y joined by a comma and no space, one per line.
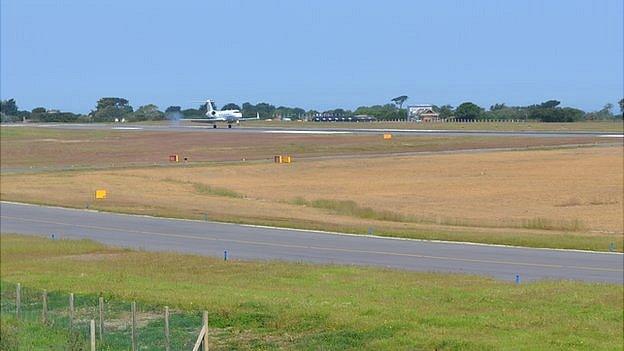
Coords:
351,208
277,305
201,188
205,189
25,133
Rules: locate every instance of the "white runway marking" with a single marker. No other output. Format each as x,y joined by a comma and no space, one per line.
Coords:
613,136
306,132
127,128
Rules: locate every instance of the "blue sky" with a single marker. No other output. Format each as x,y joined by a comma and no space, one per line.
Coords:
312,54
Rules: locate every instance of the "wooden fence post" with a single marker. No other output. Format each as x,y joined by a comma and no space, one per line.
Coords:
44,303
134,342
92,335
18,299
167,347
101,312
205,325
71,311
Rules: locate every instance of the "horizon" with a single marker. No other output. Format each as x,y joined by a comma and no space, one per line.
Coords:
315,56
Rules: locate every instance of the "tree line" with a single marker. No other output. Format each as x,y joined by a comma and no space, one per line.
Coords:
110,109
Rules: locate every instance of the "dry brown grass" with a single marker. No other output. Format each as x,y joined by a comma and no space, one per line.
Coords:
466,196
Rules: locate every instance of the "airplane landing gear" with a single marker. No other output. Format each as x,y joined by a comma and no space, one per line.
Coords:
229,126
214,126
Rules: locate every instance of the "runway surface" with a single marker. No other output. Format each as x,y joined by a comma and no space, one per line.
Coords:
318,129
266,243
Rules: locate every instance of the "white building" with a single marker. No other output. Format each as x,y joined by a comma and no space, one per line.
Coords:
422,113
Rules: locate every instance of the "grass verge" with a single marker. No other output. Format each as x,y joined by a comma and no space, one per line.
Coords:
276,305
351,208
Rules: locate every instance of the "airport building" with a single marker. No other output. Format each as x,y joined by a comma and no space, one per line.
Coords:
422,113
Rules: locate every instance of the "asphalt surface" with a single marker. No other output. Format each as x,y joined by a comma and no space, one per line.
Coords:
265,243
319,129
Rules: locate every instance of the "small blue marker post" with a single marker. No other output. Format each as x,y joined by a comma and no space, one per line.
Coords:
225,255
517,278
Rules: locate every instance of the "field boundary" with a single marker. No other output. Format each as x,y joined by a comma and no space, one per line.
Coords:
318,231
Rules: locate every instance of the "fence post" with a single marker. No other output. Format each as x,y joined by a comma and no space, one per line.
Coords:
134,343
18,299
205,325
101,324
92,327
166,328
71,311
44,302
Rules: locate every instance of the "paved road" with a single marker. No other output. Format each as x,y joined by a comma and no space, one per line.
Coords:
249,242
318,129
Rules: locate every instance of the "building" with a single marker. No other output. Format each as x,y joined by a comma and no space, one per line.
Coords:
422,113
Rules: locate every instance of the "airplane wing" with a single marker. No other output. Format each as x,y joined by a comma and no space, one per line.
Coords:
207,120
250,118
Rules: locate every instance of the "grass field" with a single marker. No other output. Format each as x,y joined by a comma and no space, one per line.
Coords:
276,305
603,126
34,149
569,198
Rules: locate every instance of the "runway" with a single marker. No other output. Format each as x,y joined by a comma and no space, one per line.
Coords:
268,243
319,129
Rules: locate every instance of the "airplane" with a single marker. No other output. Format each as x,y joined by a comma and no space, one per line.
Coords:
215,116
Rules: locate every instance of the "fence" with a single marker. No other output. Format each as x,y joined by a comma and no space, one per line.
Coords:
89,322
440,121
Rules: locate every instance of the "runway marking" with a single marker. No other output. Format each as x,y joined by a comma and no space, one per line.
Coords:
612,136
321,248
306,132
127,128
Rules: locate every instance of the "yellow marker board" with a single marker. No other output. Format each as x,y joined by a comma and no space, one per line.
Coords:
100,194
387,136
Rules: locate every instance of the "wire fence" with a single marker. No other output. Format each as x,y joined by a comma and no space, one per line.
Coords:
65,317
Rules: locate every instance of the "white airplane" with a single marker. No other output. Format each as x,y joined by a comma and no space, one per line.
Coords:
215,116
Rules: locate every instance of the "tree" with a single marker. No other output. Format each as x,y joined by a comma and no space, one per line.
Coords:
172,109
469,111
203,108
8,107
506,113
111,101
550,104
621,102
603,114
553,114
445,111
38,110
192,113
381,112
109,108
148,112
230,106
399,100
497,107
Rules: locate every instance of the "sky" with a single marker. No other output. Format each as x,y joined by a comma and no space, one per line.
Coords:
311,54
